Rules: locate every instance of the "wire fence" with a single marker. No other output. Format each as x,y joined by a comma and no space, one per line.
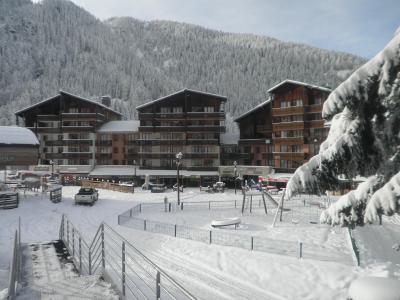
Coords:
132,218
110,255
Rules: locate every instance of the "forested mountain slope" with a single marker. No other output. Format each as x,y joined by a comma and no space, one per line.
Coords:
54,44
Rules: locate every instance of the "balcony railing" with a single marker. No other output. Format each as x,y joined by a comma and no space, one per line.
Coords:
316,108
76,142
77,154
82,116
48,117
285,111
202,142
297,140
54,143
45,129
67,128
288,125
315,124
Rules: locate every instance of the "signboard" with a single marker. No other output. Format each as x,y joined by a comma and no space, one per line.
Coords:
229,171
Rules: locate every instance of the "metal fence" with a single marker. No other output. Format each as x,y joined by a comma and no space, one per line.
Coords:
131,218
109,254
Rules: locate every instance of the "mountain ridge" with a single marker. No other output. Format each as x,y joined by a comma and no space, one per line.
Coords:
55,44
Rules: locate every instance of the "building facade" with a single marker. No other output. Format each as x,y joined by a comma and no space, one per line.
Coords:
287,129
187,121
66,126
255,143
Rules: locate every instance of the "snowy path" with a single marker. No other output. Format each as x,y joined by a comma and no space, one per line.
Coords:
49,279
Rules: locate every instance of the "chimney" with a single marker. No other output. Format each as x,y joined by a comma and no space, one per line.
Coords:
106,100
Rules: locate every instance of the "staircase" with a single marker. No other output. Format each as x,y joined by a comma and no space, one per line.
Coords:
49,274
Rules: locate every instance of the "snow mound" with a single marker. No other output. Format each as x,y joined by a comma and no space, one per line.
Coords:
373,288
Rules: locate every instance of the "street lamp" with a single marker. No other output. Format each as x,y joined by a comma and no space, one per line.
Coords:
178,163
235,170
134,181
52,167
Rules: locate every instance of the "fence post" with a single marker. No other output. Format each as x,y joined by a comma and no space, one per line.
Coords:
130,212
144,225
90,262
158,290
175,230
140,207
73,242
103,254
68,232
252,243
235,203
80,255
181,205
209,205
210,236
169,207
123,268
301,249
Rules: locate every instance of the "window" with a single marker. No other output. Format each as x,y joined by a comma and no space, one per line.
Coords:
177,109
60,162
208,108
284,104
257,149
115,150
115,137
60,149
60,137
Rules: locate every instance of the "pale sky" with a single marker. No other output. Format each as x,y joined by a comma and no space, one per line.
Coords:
361,27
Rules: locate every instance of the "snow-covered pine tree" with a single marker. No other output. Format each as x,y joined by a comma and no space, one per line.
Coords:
364,139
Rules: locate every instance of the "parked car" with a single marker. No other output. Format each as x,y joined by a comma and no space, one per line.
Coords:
86,196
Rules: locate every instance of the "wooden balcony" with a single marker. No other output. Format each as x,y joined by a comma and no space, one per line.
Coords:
160,142
82,116
267,155
45,129
71,155
103,155
43,118
78,142
103,143
201,155
286,111
52,155
297,125
202,142
206,115
77,128
289,141
193,128
289,155
315,124
316,108
54,143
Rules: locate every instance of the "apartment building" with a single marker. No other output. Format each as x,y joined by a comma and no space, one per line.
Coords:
66,127
255,142
187,121
287,129
117,143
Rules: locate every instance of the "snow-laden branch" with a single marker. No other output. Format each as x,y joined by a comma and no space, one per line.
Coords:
385,201
349,208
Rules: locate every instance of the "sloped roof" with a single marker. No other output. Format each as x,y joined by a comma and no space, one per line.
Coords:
254,109
223,98
12,135
68,94
119,127
289,81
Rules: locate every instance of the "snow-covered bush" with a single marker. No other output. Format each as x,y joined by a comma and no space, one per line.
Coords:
364,139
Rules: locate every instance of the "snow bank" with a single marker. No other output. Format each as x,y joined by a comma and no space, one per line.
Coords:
386,200
373,288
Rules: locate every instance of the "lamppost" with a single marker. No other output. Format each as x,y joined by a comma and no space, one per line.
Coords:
178,163
52,167
134,180
235,170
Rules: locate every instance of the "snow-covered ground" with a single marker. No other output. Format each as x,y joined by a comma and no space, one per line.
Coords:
208,271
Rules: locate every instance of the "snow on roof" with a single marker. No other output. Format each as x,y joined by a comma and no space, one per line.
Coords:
223,98
299,83
101,170
254,109
11,135
120,126
68,94
229,138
